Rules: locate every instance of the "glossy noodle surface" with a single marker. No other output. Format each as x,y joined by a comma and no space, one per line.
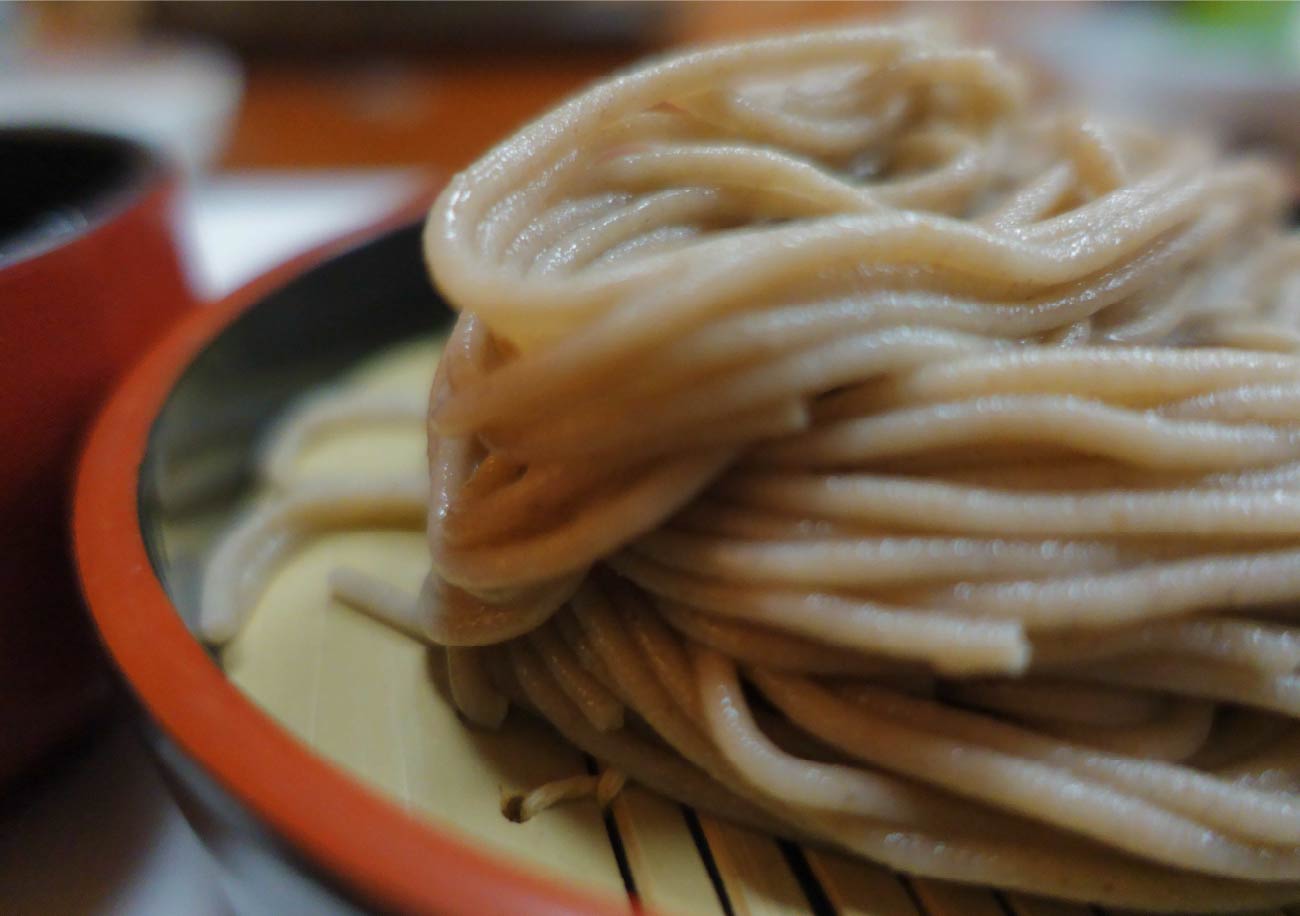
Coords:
835,440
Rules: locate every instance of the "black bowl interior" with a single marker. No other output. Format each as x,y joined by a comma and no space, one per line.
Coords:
198,466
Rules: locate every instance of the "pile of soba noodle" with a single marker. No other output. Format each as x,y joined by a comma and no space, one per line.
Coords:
832,441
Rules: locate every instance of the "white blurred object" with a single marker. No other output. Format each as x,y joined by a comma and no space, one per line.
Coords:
1240,80
238,225
181,99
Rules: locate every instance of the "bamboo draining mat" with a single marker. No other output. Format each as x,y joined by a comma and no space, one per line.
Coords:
368,699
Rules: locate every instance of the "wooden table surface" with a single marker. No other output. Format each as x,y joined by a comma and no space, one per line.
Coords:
442,111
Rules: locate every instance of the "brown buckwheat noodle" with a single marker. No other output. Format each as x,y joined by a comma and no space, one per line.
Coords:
833,440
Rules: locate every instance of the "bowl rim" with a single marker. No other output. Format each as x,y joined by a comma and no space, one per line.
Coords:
390,857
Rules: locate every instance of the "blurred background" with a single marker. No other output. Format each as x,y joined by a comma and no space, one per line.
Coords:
238,86
307,118
294,122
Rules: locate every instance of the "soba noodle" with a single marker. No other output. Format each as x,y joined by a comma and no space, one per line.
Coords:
831,439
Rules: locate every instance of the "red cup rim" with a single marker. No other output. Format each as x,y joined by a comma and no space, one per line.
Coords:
388,856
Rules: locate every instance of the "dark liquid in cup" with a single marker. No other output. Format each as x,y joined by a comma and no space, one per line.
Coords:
55,184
